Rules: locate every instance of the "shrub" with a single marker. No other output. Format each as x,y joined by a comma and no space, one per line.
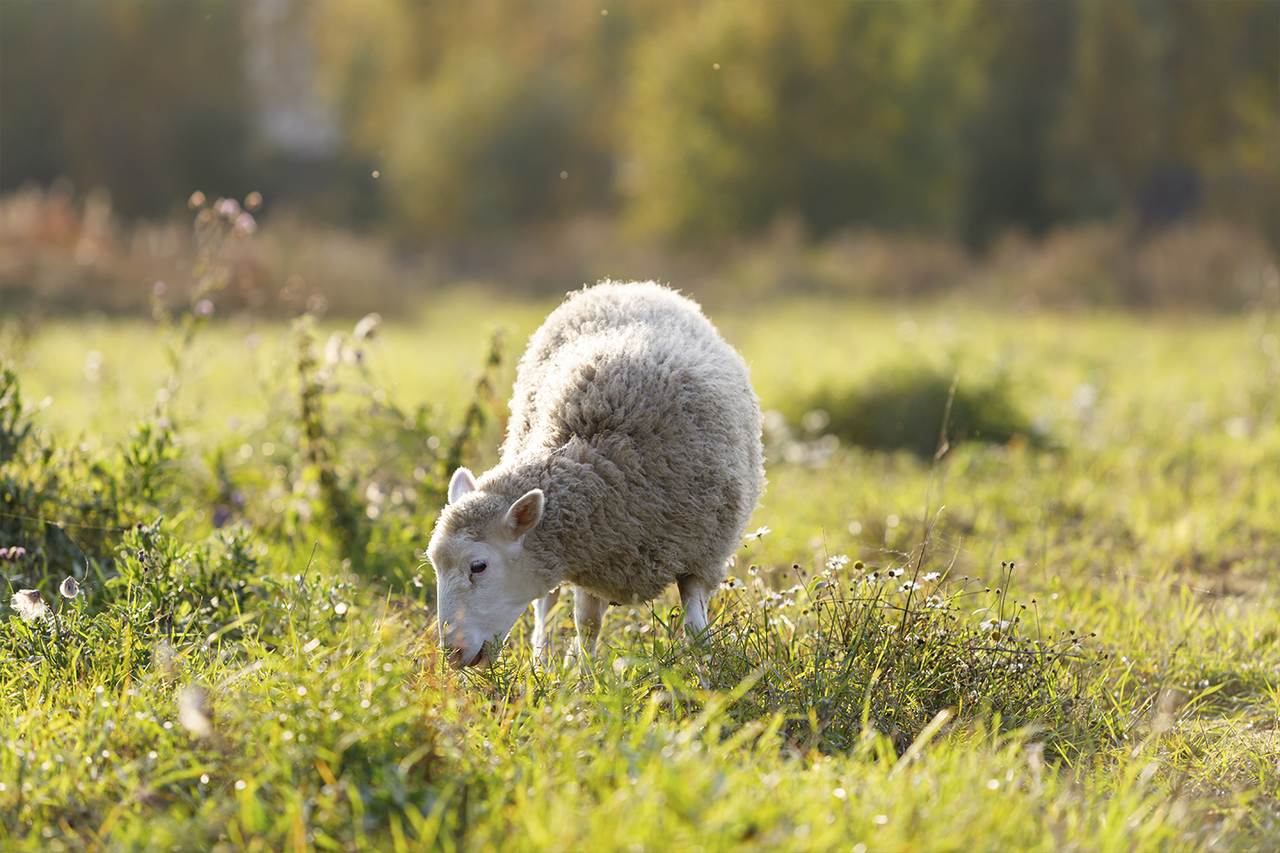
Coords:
903,407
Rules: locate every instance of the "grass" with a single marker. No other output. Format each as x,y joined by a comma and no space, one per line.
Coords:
1091,659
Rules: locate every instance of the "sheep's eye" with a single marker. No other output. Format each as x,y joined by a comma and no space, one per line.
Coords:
478,566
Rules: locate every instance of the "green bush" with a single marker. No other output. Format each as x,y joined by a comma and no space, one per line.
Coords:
904,407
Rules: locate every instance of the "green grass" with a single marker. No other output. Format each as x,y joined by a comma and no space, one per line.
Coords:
1131,706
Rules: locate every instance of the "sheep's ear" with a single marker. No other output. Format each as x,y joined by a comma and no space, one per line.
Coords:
524,514
461,483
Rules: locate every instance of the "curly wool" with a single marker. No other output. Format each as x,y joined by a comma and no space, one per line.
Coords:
639,423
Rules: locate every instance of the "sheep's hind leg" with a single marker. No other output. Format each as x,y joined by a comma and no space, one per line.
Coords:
694,595
541,633
588,615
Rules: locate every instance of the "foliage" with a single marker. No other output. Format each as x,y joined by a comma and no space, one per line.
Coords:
960,119
226,677
920,409
743,112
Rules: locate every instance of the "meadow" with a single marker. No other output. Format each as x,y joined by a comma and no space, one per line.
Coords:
1064,639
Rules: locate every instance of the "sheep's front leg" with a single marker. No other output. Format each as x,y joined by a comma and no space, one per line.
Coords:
694,596
588,615
541,633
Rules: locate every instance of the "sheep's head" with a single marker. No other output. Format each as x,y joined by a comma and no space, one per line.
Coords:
484,577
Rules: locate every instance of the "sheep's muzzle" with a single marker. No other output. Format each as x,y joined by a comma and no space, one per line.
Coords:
481,658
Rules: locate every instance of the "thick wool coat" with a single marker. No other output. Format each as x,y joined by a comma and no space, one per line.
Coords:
639,423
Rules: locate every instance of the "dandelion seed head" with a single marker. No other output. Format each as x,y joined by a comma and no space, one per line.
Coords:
29,604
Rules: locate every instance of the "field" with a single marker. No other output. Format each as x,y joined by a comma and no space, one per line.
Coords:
1066,639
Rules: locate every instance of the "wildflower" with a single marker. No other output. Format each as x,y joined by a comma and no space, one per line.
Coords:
193,711
246,224
760,532
994,626
333,348
367,327
30,604
228,207
204,308
732,583
838,562
770,601
932,576
909,586
895,573
69,588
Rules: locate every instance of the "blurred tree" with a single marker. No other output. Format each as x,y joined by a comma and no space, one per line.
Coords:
692,120
146,99
481,115
842,112
1007,138
1164,101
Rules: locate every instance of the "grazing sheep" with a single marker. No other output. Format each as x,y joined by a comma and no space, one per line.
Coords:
632,461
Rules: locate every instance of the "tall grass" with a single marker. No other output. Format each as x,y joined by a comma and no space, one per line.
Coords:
1004,646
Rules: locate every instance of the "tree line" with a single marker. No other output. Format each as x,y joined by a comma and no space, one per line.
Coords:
689,121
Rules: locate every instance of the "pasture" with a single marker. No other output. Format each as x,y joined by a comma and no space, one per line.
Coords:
1066,640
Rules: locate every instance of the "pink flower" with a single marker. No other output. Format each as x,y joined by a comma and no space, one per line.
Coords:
227,207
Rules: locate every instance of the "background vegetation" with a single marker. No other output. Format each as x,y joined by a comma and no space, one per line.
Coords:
1005,275
886,149
1065,640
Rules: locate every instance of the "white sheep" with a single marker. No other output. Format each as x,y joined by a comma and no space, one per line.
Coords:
632,461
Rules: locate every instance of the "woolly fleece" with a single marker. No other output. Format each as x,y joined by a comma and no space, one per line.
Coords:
639,423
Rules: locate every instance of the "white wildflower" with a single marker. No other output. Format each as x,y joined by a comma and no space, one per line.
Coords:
30,604
367,327
760,532
193,711
932,576
334,347
838,562
994,626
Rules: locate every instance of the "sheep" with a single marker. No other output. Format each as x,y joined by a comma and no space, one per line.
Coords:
632,461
